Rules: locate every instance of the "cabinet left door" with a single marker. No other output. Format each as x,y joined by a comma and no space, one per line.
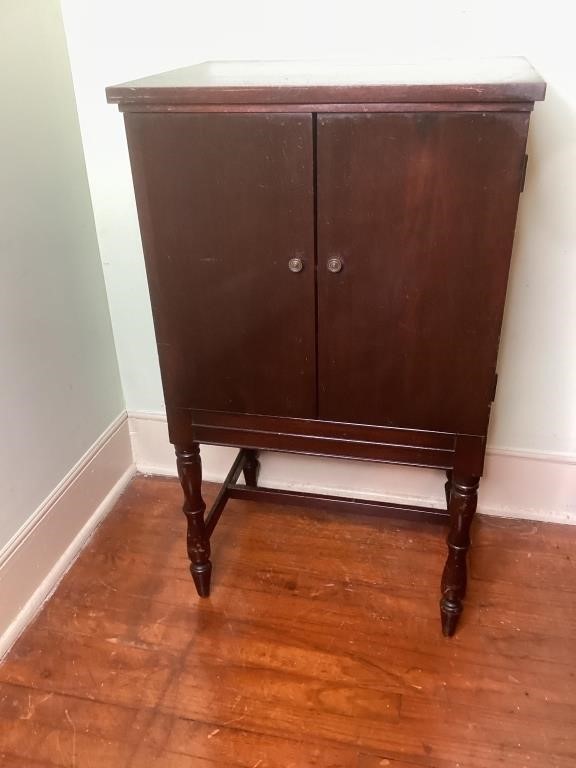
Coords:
226,211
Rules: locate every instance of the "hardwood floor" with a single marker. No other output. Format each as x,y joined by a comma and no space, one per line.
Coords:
320,646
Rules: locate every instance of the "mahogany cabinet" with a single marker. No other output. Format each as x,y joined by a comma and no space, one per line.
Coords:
327,250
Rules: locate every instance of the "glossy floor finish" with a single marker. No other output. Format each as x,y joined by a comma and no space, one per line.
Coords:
320,646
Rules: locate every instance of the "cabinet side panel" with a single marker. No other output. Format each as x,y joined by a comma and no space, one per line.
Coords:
420,209
225,202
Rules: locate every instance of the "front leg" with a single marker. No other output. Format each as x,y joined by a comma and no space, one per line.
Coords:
190,473
461,506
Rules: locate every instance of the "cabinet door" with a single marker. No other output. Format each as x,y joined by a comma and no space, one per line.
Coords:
225,203
420,209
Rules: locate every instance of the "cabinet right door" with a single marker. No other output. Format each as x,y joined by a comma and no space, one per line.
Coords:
416,215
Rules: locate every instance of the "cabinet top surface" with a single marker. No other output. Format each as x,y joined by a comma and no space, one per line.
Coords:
308,82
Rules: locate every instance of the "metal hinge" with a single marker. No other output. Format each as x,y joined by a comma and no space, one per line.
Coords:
523,177
494,388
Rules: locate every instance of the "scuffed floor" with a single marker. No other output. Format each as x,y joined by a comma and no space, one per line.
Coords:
320,646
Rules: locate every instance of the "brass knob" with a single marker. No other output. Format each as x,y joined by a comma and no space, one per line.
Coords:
334,264
295,265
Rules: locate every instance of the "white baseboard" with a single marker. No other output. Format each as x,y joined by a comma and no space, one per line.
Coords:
35,559
520,484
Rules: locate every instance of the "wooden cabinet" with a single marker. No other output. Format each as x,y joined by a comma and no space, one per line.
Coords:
327,253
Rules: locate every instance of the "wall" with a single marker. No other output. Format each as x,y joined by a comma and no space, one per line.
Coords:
59,381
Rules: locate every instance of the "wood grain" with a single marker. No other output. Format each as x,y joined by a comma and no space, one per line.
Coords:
408,331
309,82
436,106
224,203
331,661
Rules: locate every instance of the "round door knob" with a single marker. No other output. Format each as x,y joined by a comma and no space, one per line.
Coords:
334,264
295,265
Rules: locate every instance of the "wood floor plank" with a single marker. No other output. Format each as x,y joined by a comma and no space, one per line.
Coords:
238,748
89,668
530,609
111,722
64,746
13,761
320,646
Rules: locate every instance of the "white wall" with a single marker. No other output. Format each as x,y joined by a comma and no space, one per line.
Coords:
59,381
110,42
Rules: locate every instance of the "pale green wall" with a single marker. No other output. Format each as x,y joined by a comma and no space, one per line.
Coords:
59,382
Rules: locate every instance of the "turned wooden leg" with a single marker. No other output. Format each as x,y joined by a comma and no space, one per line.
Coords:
190,473
251,468
461,505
